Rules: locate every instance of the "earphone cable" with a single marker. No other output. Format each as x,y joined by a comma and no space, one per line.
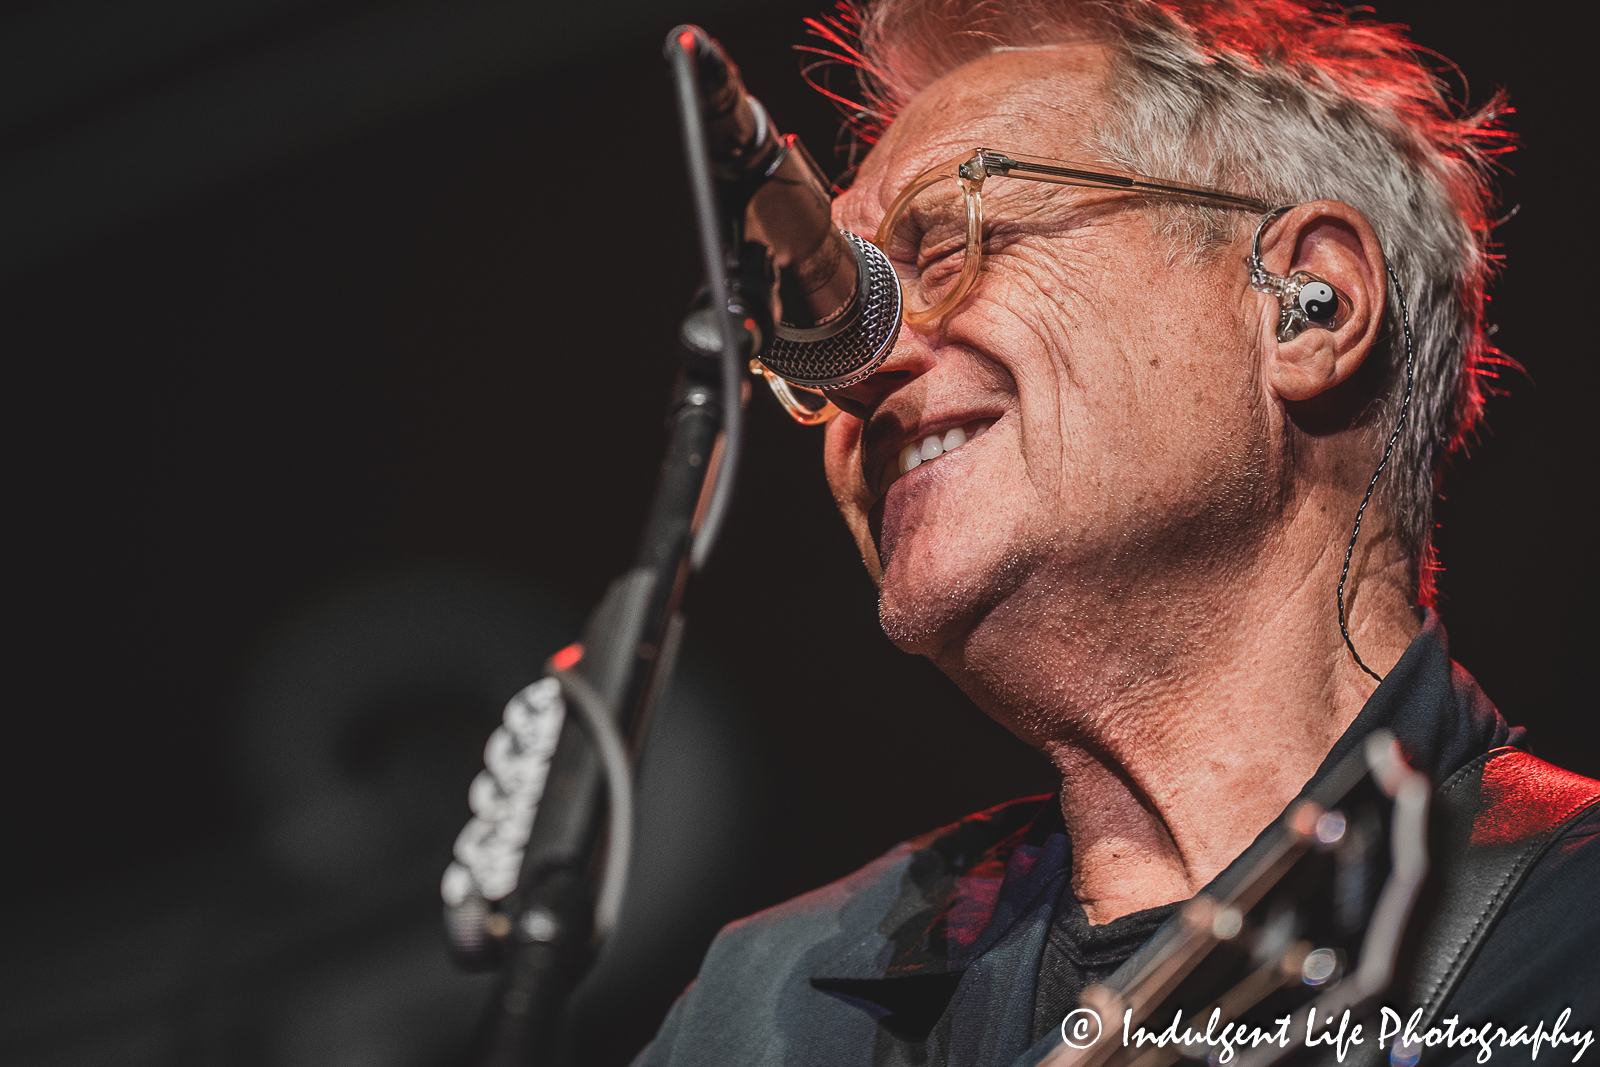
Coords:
1394,438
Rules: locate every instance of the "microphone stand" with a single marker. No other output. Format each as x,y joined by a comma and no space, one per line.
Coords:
547,936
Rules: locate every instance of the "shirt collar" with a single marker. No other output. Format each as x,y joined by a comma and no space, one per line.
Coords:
1436,710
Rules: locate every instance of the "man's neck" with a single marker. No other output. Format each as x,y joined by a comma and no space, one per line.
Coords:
1183,720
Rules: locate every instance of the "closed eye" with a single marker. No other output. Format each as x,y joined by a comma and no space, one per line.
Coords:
929,254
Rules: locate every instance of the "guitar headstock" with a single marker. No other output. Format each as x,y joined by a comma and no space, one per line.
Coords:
1313,913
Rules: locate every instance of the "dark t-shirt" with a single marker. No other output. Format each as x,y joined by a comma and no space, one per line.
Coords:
1078,955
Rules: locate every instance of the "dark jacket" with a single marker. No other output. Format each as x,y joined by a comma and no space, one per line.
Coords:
930,954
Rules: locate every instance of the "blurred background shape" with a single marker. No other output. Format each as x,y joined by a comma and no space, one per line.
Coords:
338,337
313,938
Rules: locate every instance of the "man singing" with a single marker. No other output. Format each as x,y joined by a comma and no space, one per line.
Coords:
1106,481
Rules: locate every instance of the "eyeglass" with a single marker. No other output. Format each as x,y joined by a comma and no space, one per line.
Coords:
952,278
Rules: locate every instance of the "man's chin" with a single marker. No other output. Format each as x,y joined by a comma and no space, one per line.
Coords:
899,519
919,627
922,604
938,585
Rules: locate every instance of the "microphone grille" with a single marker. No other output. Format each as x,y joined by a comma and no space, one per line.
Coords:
858,344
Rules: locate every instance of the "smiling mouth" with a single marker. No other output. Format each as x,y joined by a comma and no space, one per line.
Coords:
930,447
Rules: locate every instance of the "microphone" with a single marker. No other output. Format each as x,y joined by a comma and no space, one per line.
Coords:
838,295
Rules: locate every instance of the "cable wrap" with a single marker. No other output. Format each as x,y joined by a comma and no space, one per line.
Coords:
504,797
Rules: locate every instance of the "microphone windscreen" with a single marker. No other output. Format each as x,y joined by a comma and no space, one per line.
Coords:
848,349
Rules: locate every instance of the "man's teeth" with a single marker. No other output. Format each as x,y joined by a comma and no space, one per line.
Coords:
937,444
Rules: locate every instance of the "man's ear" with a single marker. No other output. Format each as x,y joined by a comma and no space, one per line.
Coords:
1335,243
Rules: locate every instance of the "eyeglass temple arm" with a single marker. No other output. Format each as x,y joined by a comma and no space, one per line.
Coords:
1000,164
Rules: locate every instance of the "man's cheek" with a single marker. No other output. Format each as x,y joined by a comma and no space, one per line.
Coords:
864,528
842,465
841,458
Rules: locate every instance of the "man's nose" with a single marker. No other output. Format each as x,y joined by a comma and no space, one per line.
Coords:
910,359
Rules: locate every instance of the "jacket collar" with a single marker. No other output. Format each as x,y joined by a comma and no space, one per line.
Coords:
1434,707
958,893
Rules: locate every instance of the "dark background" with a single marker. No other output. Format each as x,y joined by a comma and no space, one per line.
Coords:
338,338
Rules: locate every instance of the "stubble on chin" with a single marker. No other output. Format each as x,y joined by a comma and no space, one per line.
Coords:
931,612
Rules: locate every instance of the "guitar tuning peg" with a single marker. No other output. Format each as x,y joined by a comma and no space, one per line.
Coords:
1330,827
1319,966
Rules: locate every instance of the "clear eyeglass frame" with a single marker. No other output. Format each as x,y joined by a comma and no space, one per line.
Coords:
970,170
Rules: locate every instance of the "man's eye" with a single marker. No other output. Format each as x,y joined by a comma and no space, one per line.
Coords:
906,246
939,250
940,266
928,247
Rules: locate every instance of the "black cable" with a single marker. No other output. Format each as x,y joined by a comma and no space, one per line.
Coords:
1405,407
680,53
608,743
